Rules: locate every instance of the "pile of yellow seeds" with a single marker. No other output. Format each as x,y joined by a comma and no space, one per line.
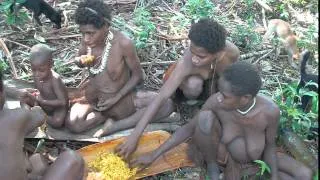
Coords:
111,167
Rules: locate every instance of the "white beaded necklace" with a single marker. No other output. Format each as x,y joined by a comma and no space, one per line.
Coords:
251,107
105,56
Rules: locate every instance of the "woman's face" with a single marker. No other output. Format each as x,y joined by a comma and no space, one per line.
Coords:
92,36
225,97
200,56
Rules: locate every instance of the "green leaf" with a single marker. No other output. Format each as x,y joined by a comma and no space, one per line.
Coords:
263,167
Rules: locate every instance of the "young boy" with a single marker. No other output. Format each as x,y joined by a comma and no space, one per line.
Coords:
50,93
15,125
193,76
234,128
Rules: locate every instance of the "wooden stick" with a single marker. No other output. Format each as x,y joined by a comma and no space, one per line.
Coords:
17,43
264,5
8,54
245,56
64,37
258,60
157,62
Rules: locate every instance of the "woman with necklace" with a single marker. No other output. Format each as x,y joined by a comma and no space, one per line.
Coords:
193,76
235,128
114,72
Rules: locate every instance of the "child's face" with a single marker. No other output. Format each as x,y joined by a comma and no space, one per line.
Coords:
41,70
92,36
200,56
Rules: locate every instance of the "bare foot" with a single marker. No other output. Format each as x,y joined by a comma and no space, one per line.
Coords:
109,122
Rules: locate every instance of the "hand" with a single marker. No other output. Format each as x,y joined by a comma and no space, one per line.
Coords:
107,104
28,96
143,161
86,60
38,97
128,147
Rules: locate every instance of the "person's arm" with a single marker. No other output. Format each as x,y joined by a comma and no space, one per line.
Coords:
60,91
27,120
180,136
178,75
269,154
169,87
133,63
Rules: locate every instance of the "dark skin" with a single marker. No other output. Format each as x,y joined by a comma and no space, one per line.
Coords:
219,129
50,93
111,93
188,75
15,125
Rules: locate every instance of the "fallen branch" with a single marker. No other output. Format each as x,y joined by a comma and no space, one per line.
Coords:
164,63
17,43
8,54
259,59
264,5
64,37
245,56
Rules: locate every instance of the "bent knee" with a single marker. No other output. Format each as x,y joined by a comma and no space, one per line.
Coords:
205,121
304,173
56,122
193,87
72,159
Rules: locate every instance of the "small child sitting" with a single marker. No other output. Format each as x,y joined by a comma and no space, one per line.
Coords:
50,93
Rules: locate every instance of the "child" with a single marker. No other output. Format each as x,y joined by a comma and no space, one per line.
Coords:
50,92
15,125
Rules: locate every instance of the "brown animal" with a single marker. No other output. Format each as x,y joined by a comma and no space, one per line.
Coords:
283,30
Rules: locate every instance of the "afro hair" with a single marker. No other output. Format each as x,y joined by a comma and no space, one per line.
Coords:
208,34
244,78
94,12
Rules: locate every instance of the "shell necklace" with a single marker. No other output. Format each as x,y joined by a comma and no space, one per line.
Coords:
105,55
251,107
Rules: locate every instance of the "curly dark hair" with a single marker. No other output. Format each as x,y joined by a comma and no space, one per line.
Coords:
244,78
94,12
208,34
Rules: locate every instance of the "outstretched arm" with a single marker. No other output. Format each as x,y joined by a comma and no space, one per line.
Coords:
181,135
270,156
166,91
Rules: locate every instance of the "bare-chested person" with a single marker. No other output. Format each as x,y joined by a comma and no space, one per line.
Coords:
235,127
196,74
50,93
114,74
15,125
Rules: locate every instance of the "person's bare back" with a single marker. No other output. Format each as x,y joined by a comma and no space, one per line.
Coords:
15,124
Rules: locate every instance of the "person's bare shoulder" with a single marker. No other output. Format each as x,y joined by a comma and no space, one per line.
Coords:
124,40
57,81
270,108
233,51
211,103
14,115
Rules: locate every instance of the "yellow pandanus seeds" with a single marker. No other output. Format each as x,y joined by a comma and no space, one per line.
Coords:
109,166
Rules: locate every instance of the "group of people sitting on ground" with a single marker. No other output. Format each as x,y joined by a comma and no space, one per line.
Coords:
234,127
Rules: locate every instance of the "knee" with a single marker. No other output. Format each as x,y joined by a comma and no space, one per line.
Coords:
169,107
304,173
73,159
193,87
205,121
56,122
